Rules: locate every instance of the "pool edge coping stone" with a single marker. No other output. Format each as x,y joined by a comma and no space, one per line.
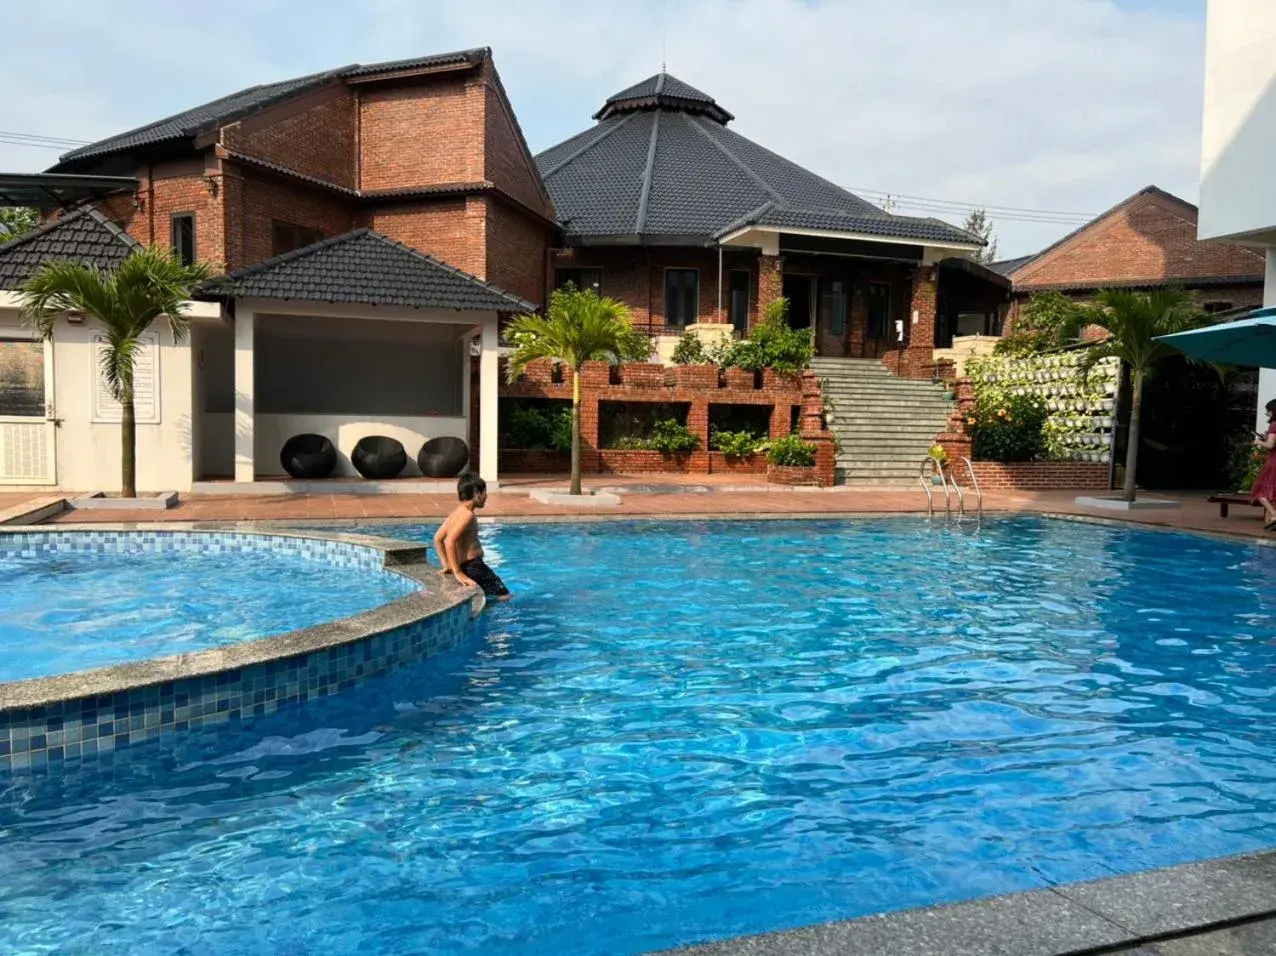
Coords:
407,559
1068,919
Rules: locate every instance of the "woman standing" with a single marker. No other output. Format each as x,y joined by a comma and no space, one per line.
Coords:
1264,490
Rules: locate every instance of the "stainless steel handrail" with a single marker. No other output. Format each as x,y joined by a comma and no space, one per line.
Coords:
979,495
936,469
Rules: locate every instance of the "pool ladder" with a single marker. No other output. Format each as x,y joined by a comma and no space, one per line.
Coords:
930,469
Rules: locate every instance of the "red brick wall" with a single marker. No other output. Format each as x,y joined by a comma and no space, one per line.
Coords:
508,165
428,132
1040,475
254,201
320,140
453,230
167,189
1154,237
516,250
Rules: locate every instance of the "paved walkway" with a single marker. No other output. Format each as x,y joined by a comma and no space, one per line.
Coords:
663,496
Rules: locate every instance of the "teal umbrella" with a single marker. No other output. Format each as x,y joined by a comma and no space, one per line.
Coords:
1249,341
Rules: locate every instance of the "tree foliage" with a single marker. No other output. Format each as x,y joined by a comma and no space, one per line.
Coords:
1046,321
15,220
979,223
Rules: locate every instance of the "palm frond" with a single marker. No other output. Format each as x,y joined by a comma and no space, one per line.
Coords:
1134,320
578,327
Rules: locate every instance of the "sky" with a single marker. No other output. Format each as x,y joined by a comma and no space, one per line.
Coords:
1066,106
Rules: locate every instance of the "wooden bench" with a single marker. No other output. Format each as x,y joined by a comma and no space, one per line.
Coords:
1226,499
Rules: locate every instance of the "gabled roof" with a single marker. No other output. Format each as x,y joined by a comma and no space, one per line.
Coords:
661,168
219,112
84,236
1210,264
367,267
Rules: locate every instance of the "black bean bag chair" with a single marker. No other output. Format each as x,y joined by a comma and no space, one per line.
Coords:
376,457
308,456
443,457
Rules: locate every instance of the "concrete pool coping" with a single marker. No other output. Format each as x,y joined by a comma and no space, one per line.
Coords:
1118,914
407,559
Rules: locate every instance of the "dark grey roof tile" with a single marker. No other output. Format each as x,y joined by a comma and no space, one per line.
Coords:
366,267
882,224
84,236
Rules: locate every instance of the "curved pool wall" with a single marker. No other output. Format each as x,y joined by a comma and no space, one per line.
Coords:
46,722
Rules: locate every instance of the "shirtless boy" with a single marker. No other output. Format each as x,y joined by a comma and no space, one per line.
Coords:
457,541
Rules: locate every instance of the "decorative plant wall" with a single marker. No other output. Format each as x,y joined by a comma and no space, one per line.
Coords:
1081,408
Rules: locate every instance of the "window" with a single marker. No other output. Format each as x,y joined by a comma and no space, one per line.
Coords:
580,278
738,304
182,227
682,297
287,236
878,296
833,305
22,378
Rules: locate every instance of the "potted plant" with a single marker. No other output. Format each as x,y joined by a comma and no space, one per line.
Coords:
939,456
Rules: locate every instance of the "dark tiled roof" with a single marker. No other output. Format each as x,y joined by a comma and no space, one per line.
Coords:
1008,267
660,91
366,267
85,236
666,171
246,102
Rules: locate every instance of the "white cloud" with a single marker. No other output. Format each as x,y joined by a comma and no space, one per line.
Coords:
1030,103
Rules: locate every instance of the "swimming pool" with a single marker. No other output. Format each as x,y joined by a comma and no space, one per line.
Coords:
687,731
137,596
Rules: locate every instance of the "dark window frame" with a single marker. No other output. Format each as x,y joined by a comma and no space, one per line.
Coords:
834,324
173,222
296,236
743,325
885,319
564,274
679,321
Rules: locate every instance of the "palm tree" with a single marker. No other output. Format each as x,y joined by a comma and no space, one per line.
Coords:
1133,321
579,327
126,300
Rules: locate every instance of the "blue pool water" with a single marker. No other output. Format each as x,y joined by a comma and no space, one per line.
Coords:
69,611
681,732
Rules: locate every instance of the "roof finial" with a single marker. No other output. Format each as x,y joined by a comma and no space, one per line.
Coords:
662,50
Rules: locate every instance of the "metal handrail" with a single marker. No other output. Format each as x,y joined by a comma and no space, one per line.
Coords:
936,469
974,483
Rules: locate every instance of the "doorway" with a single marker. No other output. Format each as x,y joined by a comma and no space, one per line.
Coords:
797,289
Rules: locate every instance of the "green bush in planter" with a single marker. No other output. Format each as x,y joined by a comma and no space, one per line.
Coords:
690,350
1007,427
791,452
740,444
534,428
669,437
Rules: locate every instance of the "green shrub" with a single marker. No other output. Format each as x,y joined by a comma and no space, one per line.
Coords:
636,345
1244,462
669,437
690,350
791,451
536,428
744,354
1007,427
734,444
783,349
1047,321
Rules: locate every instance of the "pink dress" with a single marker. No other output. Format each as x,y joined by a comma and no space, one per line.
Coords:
1265,483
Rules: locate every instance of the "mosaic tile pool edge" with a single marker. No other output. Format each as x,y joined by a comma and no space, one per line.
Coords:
37,738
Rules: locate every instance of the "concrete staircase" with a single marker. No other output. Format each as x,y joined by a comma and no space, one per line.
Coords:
885,424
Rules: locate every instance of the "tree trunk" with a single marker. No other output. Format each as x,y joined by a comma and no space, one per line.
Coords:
128,439
575,431
1132,441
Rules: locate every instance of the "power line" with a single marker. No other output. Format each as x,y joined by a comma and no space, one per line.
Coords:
892,202
39,141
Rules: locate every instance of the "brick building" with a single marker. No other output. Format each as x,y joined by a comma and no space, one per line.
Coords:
1144,242
373,222
688,223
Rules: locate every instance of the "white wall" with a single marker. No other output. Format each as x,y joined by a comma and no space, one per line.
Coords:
271,431
88,452
1238,132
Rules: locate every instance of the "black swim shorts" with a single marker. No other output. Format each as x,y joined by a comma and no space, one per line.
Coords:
478,572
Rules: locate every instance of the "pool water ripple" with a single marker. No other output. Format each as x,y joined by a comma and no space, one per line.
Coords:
686,731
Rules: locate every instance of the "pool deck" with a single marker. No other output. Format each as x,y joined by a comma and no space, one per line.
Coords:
666,496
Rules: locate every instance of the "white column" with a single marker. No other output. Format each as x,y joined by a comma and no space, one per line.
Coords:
489,384
244,322
1266,376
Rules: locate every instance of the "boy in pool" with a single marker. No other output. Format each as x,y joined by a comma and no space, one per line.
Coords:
457,541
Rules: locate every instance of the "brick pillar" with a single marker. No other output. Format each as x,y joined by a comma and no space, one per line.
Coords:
590,459
698,423
921,333
811,427
770,284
